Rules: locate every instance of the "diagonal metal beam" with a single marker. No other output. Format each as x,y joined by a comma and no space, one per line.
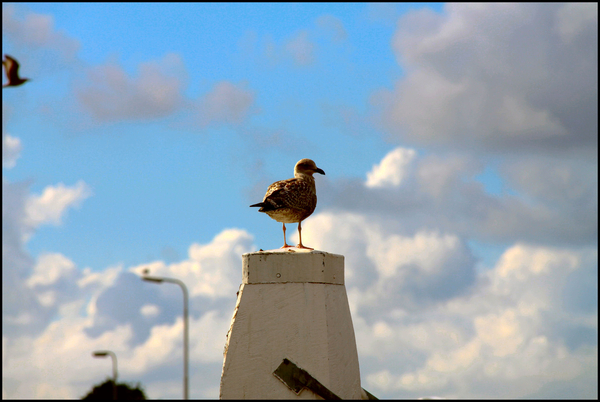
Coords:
297,379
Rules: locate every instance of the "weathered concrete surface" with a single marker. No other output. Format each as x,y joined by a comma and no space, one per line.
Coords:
282,267
290,305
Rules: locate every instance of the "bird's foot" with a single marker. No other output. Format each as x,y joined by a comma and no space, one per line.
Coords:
304,247
286,246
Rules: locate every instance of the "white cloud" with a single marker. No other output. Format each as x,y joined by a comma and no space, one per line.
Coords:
36,31
210,331
574,18
109,94
211,269
568,183
441,190
333,26
392,169
439,177
59,362
226,103
389,267
140,322
511,338
11,150
34,292
50,268
50,206
496,77
427,251
301,49
105,279
439,328
160,348
149,310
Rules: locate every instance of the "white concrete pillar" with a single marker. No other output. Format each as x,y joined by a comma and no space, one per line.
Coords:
291,304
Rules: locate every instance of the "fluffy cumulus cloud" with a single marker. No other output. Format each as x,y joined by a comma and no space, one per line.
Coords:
31,290
36,31
510,336
428,323
514,84
301,49
11,150
11,146
55,314
226,103
568,183
497,77
50,206
430,318
394,269
392,169
441,191
109,93
213,267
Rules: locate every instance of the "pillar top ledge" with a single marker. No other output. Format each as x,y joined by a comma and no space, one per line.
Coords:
290,251
293,265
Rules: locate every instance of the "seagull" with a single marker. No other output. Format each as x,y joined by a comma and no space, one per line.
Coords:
11,67
292,200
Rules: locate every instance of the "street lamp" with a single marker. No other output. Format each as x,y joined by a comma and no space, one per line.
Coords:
104,353
157,279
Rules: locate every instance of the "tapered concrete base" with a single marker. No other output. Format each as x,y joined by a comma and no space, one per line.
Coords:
290,305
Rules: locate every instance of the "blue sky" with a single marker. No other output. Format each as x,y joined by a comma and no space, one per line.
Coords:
460,149
132,161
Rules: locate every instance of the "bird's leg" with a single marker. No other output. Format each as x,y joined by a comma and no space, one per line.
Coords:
285,245
300,236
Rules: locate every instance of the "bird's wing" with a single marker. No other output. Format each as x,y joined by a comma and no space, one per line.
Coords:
11,59
12,67
286,194
7,63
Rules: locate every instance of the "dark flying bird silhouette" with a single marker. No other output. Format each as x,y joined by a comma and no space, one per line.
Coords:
292,200
11,68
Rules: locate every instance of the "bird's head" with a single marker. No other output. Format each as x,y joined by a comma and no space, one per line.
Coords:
306,167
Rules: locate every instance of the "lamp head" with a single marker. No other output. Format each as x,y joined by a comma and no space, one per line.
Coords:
152,279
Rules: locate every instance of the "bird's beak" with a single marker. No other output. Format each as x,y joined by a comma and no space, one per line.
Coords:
317,170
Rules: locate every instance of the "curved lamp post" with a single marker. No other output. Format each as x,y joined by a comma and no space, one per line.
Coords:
104,353
157,279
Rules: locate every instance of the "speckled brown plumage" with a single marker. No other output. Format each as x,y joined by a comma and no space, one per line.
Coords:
292,200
